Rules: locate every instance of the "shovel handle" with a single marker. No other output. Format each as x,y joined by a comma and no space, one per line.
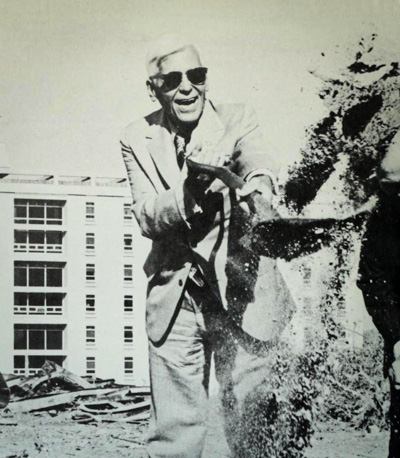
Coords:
231,180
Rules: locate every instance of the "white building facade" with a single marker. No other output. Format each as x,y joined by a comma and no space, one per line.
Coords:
71,285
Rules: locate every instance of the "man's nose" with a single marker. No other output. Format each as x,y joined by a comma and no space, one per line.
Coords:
186,85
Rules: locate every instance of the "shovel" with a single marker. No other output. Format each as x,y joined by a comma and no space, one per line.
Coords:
281,237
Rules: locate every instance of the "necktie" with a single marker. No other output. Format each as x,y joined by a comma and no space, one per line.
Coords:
180,146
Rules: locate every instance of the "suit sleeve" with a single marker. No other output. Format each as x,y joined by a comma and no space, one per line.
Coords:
159,215
251,153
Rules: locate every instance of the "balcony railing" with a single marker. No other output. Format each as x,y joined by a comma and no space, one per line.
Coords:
28,179
38,310
37,220
37,248
111,182
19,371
33,371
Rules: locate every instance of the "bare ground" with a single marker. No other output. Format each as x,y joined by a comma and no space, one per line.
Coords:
44,436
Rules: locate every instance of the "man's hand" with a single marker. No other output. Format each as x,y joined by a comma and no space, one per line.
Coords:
394,373
261,185
203,153
256,196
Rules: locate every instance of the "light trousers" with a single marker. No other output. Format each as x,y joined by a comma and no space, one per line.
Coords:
179,376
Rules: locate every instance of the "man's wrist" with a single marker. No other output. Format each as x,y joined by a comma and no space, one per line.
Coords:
263,180
267,175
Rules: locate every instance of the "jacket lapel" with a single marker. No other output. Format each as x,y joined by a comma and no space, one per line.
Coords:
162,150
209,131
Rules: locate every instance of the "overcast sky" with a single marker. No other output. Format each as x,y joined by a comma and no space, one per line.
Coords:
73,75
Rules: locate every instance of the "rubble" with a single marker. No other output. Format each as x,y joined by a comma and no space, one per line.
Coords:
107,407
53,372
55,389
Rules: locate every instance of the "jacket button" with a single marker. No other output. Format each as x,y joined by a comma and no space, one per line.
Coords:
180,283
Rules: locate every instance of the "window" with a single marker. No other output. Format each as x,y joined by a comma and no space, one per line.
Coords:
128,273
90,334
54,339
27,211
53,213
54,238
36,237
90,242
38,303
128,242
90,210
128,365
127,212
90,272
19,364
90,303
38,337
20,338
128,304
20,274
90,365
36,362
28,273
20,238
128,334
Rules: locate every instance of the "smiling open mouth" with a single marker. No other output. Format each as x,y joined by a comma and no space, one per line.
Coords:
186,101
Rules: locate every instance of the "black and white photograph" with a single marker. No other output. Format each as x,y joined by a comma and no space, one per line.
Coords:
200,229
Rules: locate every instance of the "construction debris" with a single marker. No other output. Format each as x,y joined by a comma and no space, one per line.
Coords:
55,389
50,377
114,407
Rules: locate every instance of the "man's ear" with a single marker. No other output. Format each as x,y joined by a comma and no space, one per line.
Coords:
151,91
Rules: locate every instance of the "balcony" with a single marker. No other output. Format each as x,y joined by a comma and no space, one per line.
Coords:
38,310
28,178
22,372
75,180
37,248
111,182
31,303
31,363
38,241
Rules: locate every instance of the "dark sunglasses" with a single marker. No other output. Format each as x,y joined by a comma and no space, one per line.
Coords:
173,80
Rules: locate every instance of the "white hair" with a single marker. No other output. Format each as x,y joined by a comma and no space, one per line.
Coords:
163,47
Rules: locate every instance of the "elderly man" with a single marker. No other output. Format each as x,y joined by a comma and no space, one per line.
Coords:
186,215
379,279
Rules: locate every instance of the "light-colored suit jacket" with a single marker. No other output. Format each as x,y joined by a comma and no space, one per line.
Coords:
184,232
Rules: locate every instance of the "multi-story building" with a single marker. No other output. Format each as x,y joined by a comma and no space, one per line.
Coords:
71,284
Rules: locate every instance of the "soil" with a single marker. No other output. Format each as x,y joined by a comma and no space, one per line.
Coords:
337,441
44,436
